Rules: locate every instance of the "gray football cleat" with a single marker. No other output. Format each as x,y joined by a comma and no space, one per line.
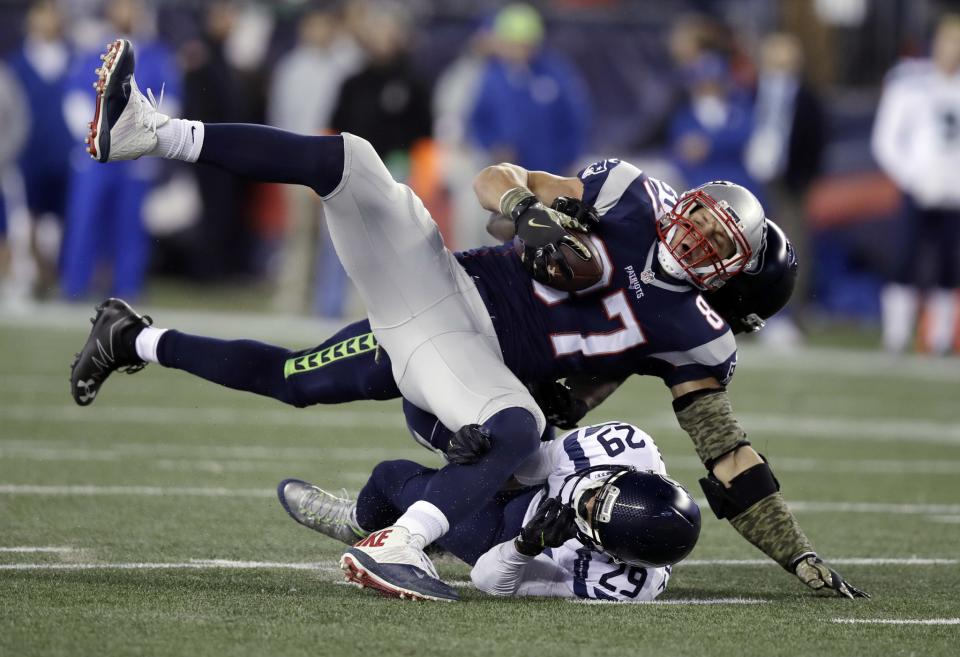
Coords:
321,511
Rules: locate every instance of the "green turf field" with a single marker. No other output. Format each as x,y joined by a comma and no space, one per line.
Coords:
147,524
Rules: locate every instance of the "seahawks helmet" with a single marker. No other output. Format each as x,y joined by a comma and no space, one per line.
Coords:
686,252
638,518
759,293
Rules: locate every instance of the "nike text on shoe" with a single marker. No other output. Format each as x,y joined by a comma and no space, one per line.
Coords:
105,350
125,123
386,562
321,511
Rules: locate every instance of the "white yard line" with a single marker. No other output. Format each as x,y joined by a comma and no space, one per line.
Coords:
950,520
189,491
156,451
33,548
148,491
897,621
848,561
680,601
317,419
323,420
193,564
297,331
246,458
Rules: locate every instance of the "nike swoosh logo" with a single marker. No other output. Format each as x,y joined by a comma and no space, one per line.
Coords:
533,223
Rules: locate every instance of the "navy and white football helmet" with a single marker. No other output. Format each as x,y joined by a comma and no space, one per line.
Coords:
762,291
687,253
638,518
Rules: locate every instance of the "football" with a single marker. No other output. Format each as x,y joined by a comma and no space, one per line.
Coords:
585,272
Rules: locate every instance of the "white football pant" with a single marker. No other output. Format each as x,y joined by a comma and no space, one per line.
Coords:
424,308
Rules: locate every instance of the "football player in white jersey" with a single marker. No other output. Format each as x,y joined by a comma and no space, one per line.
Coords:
592,515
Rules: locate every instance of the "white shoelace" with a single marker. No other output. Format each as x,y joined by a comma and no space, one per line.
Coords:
146,117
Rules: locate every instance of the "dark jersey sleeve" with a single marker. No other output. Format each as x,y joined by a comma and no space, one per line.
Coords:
711,350
621,191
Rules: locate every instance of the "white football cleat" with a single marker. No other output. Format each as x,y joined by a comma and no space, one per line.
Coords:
125,123
387,562
321,511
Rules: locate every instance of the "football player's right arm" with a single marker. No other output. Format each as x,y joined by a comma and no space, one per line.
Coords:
492,182
741,486
503,571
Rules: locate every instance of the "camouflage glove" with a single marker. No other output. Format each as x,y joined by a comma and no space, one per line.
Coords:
558,404
583,216
468,444
821,578
551,526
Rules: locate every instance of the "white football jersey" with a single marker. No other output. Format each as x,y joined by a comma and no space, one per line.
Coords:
574,570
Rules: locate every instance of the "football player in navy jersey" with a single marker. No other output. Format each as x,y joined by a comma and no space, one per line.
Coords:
459,336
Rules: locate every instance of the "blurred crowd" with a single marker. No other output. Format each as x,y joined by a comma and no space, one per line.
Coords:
782,97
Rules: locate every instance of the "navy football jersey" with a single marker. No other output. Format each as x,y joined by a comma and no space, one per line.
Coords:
635,320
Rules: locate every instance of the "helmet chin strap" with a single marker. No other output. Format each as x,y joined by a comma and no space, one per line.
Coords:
669,263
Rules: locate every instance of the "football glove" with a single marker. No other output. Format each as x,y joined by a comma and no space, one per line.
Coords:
583,215
551,526
820,577
541,231
468,444
558,404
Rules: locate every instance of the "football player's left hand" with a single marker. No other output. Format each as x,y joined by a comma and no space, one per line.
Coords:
820,577
551,526
468,444
561,408
583,217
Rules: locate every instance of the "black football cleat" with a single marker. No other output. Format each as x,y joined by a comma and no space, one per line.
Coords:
105,350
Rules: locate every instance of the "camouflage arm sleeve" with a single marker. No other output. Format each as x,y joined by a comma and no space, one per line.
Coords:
773,528
709,421
767,523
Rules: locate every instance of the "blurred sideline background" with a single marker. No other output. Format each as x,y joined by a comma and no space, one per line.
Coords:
780,96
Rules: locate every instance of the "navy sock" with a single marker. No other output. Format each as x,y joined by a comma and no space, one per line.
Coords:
334,372
392,487
459,490
395,485
273,155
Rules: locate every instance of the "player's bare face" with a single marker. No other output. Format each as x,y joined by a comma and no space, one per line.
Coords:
689,245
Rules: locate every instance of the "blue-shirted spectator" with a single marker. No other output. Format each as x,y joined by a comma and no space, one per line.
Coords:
41,67
104,223
532,107
710,132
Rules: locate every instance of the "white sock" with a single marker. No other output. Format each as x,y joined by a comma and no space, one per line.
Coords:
942,305
425,522
147,341
899,309
179,139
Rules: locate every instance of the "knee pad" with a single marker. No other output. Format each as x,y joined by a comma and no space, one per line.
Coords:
746,489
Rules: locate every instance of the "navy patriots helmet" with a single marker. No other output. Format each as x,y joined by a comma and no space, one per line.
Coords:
639,518
758,293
